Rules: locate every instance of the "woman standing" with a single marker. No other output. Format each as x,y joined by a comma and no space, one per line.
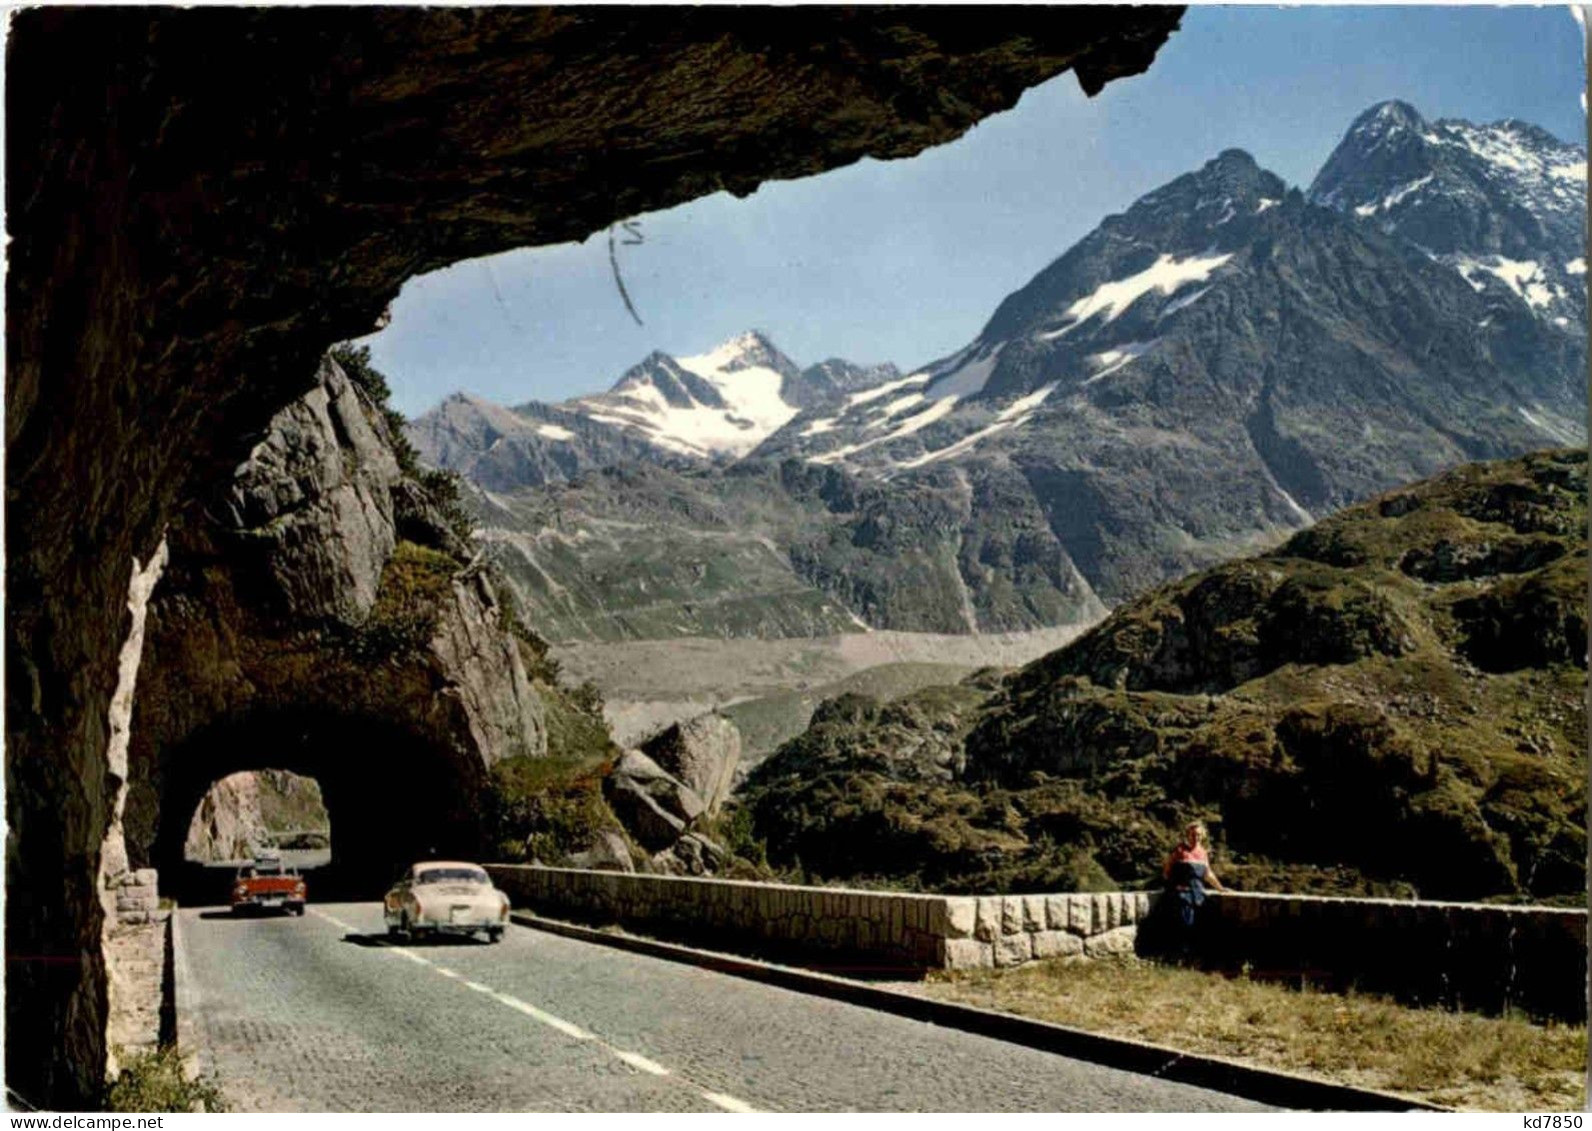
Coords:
1188,873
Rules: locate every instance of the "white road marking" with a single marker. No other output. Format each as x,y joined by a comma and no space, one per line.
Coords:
634,1059
330,919
728,1103
546,1018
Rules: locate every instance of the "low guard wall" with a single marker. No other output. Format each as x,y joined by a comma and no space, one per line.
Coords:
836,927
1461,955
1487,957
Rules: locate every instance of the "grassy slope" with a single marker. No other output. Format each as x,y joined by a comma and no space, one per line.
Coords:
1456,1059
1389,703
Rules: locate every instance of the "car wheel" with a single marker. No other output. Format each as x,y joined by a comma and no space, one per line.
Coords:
495,935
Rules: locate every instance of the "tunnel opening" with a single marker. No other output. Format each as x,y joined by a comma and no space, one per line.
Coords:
252,812
389,796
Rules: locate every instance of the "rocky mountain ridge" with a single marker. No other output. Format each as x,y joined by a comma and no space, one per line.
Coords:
1502,203
1391,702
685,412
1198,377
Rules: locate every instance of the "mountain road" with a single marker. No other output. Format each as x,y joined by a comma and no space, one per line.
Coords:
324,1013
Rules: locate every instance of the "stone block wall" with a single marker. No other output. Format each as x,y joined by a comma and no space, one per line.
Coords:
1474,956
136,943
836,926
1008,930
1488,957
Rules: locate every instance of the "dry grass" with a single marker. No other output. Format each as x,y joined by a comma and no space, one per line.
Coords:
1458,1059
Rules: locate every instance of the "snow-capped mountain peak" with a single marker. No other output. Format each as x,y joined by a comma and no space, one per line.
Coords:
723,403
713,405
1503,203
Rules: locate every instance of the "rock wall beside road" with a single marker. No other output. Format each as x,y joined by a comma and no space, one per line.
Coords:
1456,955
866,929
1489,957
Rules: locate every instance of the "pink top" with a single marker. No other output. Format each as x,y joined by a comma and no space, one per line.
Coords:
1183,854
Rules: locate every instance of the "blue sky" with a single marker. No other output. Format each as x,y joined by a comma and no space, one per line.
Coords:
904,261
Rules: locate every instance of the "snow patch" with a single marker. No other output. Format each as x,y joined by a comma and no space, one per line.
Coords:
1182,301
968,377
937,410
1027,404
1115,358
1523,276
899,405
1393,198
1265,203
885,389
819,427
965,444
1576,267
752,407
554,432
1166,275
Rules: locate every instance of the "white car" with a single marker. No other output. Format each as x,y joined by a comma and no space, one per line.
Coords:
446,897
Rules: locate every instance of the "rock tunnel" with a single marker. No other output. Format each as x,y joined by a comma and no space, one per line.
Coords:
391,796
201,201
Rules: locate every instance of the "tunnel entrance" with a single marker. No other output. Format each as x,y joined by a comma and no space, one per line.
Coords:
255,811
388,797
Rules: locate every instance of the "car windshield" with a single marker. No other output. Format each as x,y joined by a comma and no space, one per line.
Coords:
452,876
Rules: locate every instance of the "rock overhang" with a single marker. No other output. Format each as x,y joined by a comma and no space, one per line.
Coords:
200,201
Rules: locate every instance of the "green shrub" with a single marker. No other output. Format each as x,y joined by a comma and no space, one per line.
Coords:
414,584
155,1081
733,829
573,732
445,490
546,808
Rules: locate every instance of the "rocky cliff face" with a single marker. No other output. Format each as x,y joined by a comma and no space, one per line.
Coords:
318,615
178,182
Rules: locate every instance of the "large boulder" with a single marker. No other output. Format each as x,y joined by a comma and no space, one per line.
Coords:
607,852
692,855
703,752
655,806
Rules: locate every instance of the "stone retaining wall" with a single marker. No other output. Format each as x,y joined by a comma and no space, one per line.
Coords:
136,943
1488,957
837,926
1476,956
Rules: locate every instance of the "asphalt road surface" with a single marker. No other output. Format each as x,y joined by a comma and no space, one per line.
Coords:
319,1013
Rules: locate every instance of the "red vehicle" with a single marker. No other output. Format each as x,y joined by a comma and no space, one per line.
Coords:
268,884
